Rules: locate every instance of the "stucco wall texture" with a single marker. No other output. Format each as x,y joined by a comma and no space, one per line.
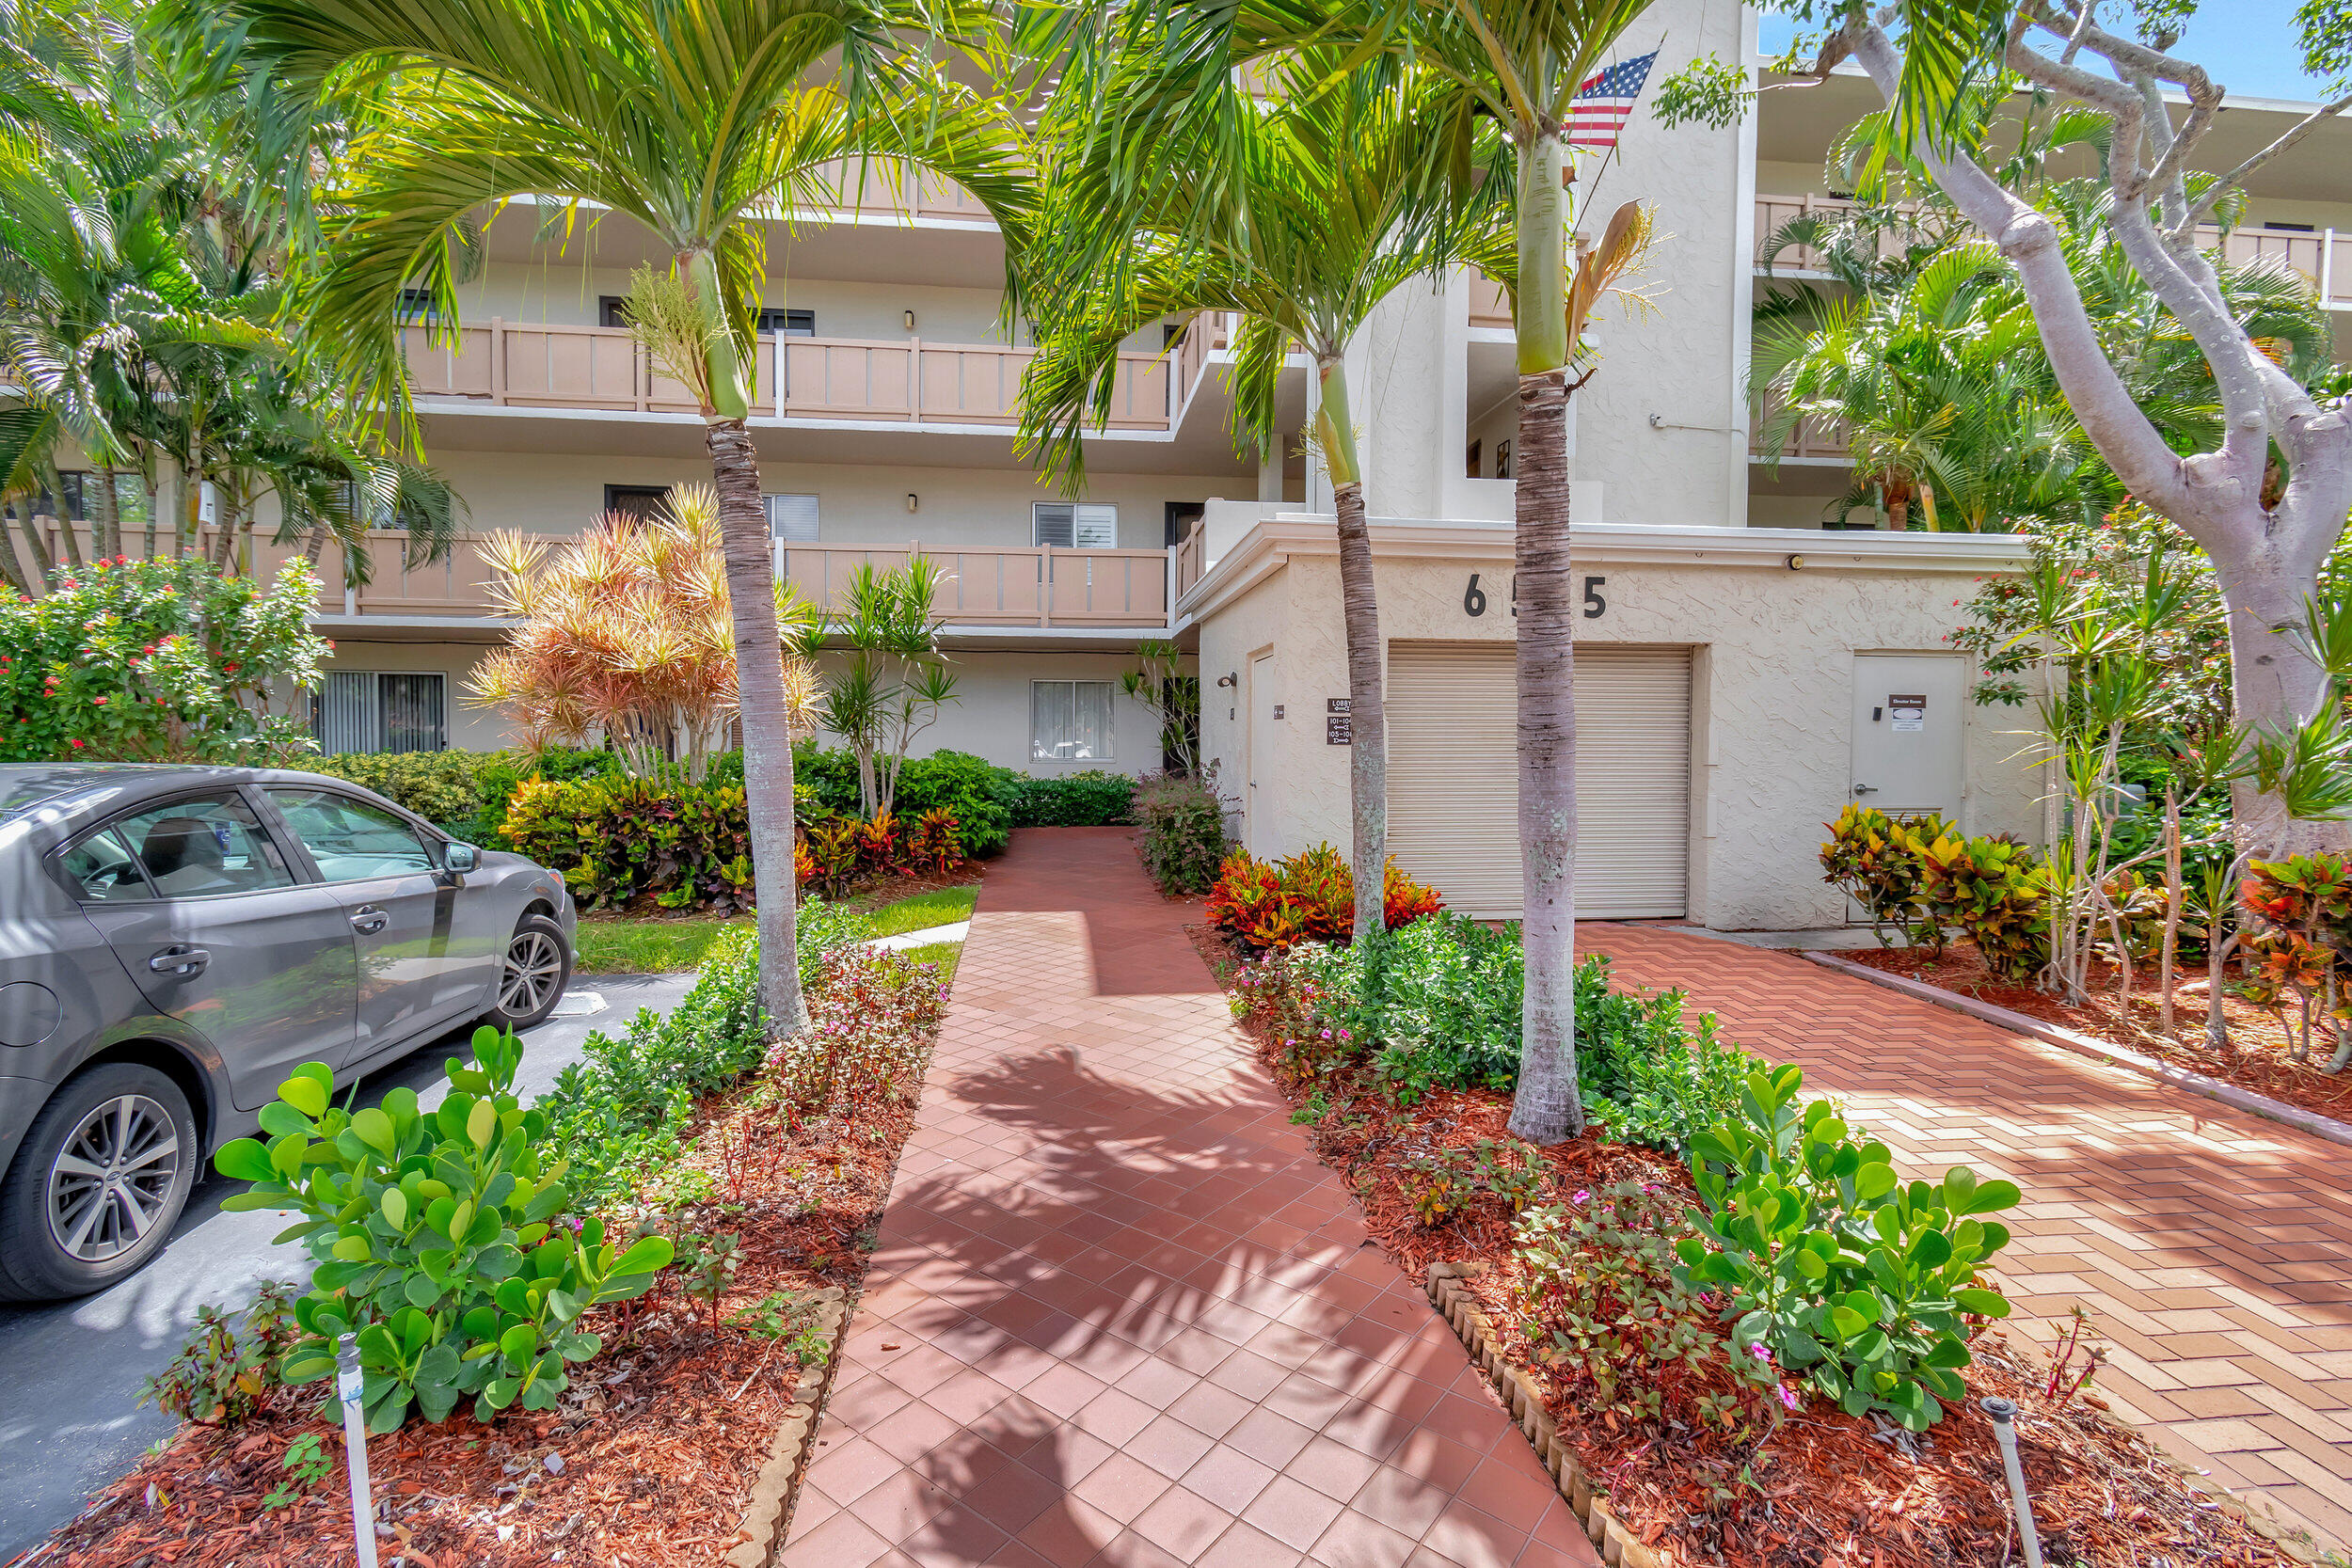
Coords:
1773,673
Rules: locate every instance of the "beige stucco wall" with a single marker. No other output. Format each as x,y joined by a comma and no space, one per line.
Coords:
551,493
1772,751
471,728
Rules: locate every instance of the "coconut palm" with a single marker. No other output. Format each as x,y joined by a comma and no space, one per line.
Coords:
1518,63
693,122
1335,196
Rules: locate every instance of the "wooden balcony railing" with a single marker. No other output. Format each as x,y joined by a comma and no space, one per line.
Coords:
994,586
1811,439
1191,561
539,366
985,585
877,188
2322,256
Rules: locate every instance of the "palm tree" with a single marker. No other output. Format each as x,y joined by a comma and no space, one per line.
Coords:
1518,63
695,122
1333,195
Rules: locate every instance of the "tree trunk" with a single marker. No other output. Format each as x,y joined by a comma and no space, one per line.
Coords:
35,547
1548,1106
1367,758
10,567
66,534
154,497
760,700
109,514
2274,685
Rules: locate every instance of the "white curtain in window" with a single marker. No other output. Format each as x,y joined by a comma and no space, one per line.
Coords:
1070,721
792,518
1066,527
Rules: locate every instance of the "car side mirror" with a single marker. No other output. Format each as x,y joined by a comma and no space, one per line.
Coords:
460,857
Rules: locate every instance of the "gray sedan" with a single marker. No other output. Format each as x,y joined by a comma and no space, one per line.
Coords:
173,940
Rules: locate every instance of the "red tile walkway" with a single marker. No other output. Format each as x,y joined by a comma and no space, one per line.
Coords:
2214,1248
1119,1313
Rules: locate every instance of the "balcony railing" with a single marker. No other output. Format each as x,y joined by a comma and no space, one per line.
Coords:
521,365
2323,257
876,188
1811,439
1191,561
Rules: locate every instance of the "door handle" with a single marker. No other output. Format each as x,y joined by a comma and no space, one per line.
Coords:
1865,789
367,919
182,962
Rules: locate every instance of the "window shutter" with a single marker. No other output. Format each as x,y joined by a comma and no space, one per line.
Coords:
792,518
1066,527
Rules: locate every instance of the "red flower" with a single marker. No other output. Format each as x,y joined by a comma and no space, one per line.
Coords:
78,744
229,668
99,702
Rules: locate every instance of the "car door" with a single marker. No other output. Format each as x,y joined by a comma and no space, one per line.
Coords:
397,900
204,907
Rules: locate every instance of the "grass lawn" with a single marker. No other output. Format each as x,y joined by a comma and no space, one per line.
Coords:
943,953
608,946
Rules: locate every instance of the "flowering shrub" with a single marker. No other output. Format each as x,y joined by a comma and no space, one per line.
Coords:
157,660
1305,897
871,1018
836,854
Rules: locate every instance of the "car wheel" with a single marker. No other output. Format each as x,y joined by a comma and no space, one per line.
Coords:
537,967
98,1184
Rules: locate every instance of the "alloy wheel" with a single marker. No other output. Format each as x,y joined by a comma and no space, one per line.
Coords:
534,967
113,1179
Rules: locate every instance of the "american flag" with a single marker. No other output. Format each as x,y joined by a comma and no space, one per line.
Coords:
1602,105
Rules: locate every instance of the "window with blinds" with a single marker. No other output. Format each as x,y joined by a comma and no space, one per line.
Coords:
1065,526
380,711
792,518
1070,721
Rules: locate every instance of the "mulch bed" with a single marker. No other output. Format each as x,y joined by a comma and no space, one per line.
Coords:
1820,1487
2257,1061
647,1463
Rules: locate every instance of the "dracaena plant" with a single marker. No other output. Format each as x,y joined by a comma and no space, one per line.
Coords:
1826,1256
437,1241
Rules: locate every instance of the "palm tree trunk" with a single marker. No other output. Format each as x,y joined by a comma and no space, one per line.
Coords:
35,547
1368,760
66,532
760,700
154,498
1546,1106
109,514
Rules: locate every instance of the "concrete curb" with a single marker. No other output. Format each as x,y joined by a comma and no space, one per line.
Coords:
768,1512
2081,1045
1617,1545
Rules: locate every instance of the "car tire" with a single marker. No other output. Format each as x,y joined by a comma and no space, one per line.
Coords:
98,1184
536,956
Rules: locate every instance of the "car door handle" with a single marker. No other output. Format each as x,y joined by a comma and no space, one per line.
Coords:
367,919
183,962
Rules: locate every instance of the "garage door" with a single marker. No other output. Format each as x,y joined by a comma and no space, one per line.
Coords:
1453,777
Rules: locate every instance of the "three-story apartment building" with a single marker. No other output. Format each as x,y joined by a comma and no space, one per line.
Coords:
1742,673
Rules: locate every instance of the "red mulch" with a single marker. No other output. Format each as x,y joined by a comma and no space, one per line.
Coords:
2258,1059
1820,1487
657,1440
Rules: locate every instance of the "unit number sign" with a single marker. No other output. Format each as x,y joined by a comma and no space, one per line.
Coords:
1474,598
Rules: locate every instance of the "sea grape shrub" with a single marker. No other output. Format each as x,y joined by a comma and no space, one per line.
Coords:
158,661
1876,860
437,1241
872,1016
1181,836
1827,1259
1609,1317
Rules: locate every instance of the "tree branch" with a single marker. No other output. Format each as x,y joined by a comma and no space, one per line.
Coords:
2287,138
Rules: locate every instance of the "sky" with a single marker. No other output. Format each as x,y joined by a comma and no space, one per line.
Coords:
2248,46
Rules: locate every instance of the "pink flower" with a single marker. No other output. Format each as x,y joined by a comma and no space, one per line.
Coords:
1579,1196
1760,1352
1788,1396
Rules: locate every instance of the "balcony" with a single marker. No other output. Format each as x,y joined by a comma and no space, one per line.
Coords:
528,365
1489,302
2323,257
999,586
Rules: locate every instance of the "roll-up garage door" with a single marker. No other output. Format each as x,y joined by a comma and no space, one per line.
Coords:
1453,777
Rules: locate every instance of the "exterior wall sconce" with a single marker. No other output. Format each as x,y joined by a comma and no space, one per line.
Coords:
911,500
1227,680
910,321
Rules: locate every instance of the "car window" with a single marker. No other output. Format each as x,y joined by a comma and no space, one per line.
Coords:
350,840
104,871
205,845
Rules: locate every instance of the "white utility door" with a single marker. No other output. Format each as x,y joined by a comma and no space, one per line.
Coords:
1907,732
1260,805
1453,777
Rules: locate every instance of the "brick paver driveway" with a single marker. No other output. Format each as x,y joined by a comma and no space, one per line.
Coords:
1119,1313
2214,1248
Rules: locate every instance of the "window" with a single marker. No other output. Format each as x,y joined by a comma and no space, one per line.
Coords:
789,324
792,518
612,311
1070,721
1068,527
1183,518
417,307
104,871
210,844
370,712
2290,227
641,501
351,841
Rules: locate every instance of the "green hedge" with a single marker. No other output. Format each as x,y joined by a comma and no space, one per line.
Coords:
466,793
1089,800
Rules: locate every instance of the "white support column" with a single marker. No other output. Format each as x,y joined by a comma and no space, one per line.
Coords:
1270,472
1454,395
